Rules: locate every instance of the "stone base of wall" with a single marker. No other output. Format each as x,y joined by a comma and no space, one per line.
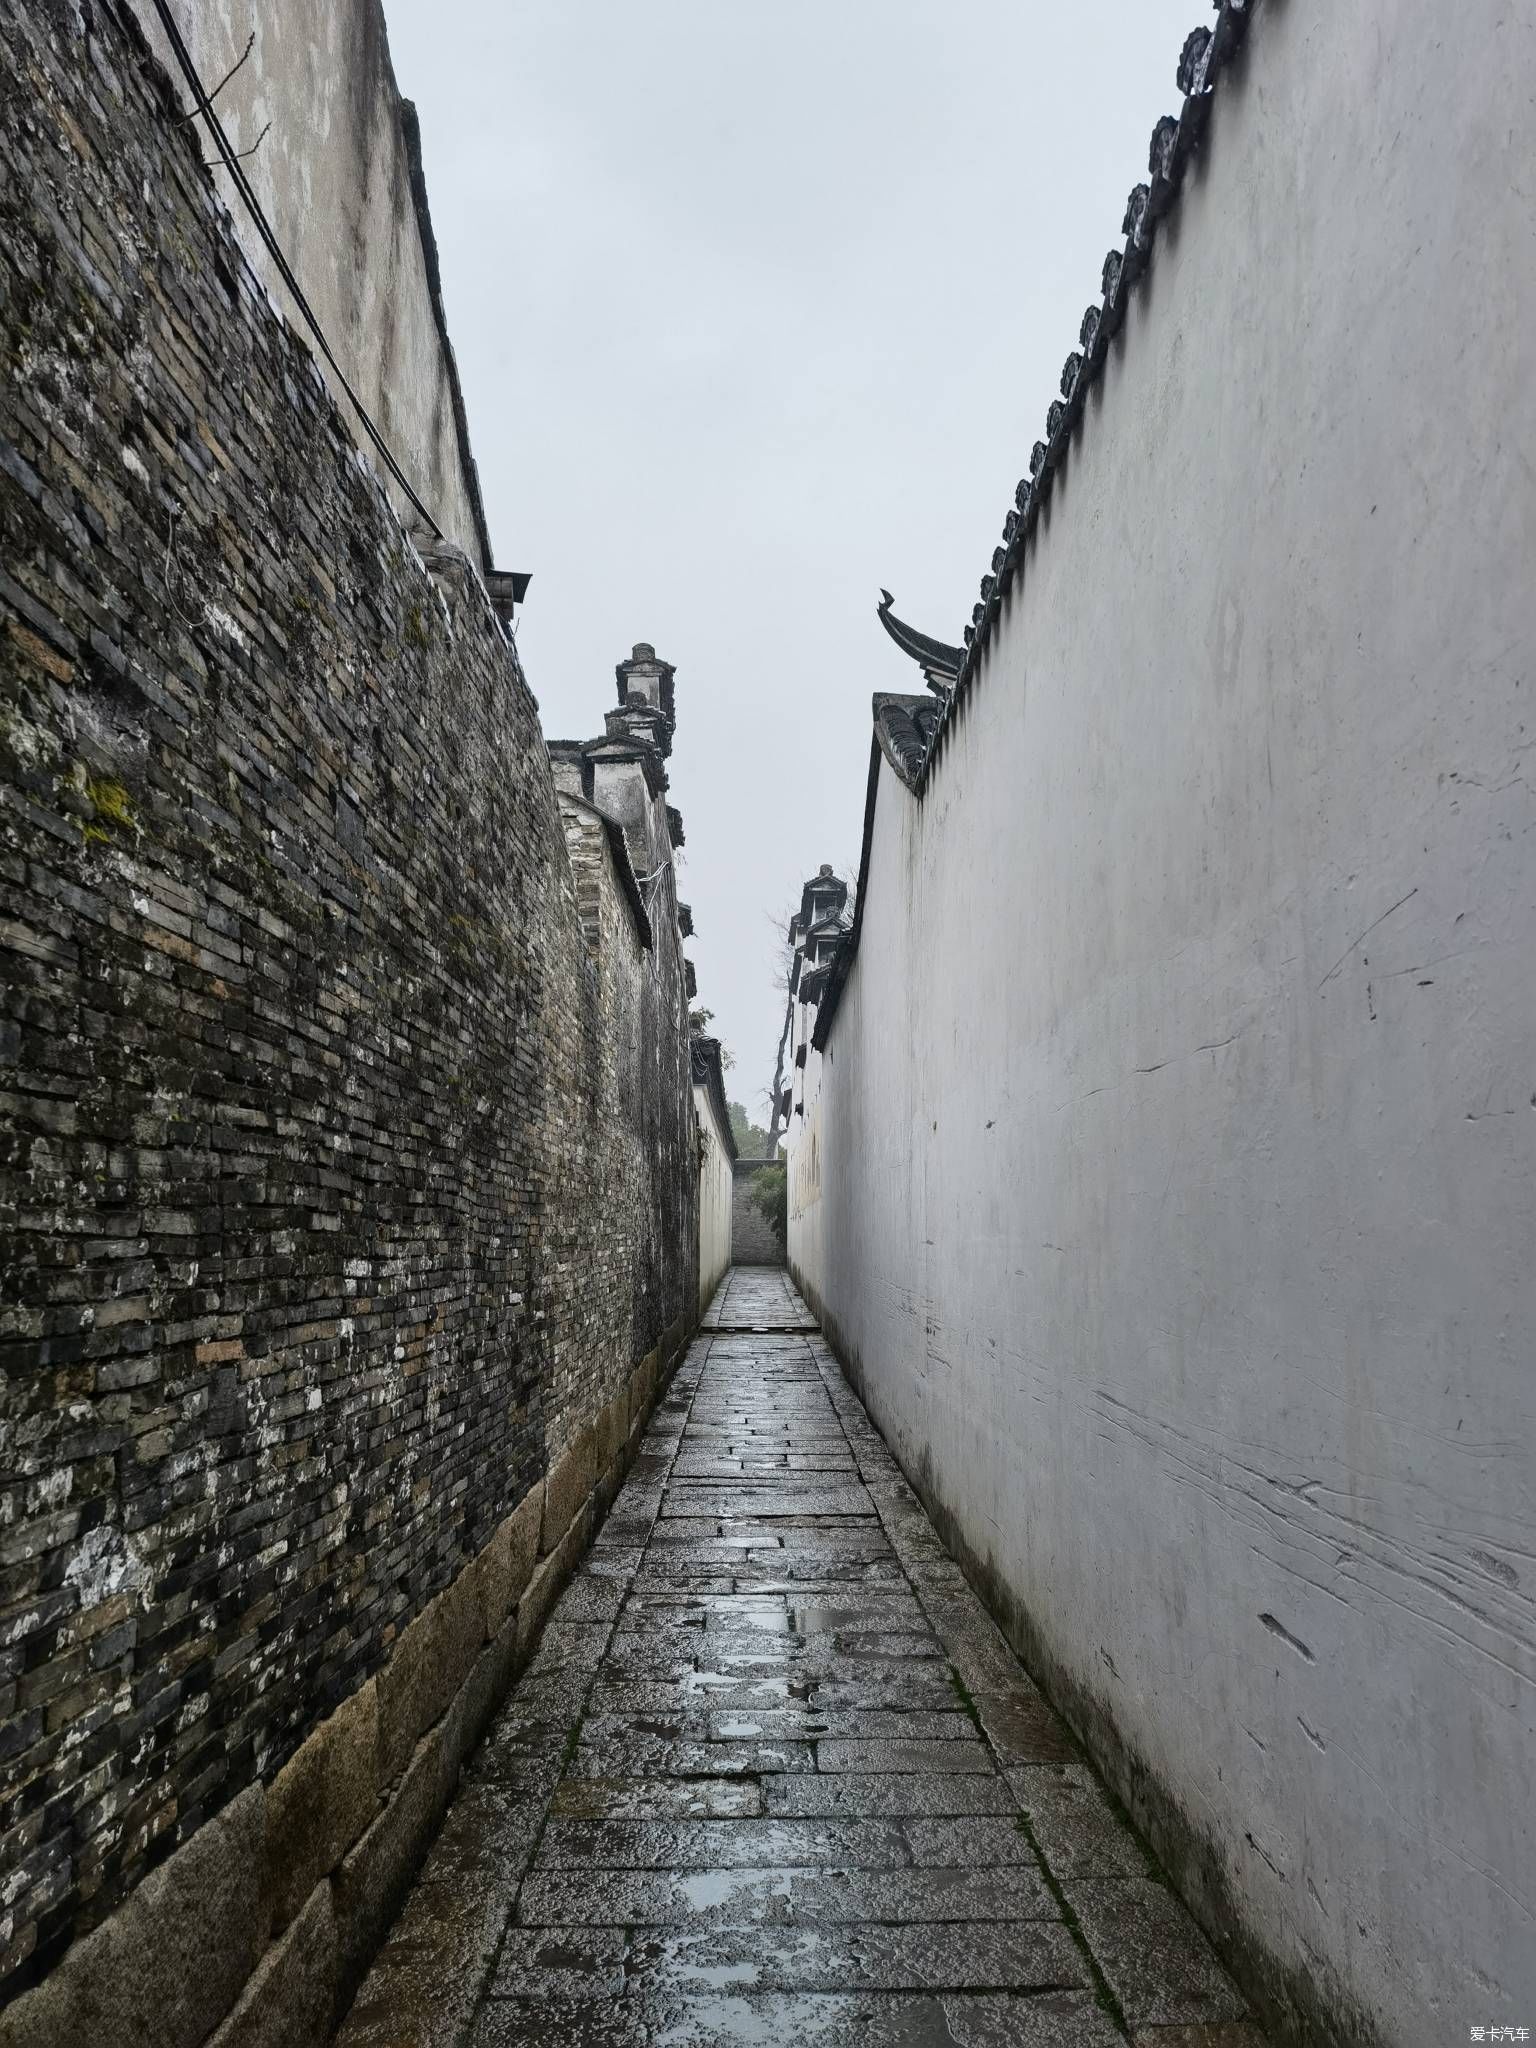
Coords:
257,1932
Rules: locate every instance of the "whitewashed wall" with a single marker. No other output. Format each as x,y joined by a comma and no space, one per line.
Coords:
1175,1190
716,1185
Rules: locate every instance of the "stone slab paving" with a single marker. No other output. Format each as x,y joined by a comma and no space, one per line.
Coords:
774,1776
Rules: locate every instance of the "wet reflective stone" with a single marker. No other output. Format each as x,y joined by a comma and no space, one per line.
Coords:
1224,2034
570,1646
736,1797
660,1650
1159,1965
591,1599
686,1497
523,1753
486,1835
758,1614
609,1564
916,1685
1022,1728
423,1984
1078,1831
874,1722
790,1574
1073,2018
972,1842
940,1577
669,1700
692,1713
879,1798
846,1536
880,1614
551,1695
974,1644
759,1464
562,1963
663,2019
725,1844
1024,1955
631,1898
734,1436
850,1754
655,1757
853,1643
658,1798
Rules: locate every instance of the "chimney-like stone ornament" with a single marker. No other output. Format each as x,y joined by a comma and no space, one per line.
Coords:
646,709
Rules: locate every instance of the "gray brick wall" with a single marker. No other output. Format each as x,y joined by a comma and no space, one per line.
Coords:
337,1188
752,1240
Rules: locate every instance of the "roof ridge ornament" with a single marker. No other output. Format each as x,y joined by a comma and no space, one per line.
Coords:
939,662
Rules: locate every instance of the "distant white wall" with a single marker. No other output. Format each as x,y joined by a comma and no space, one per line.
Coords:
1175,1185
333,175
715,1187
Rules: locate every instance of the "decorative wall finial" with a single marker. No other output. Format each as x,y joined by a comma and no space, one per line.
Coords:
939,662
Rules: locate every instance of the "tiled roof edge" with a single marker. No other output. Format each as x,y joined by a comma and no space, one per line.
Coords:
618,852
704,1064
1174,141
904,727
841,964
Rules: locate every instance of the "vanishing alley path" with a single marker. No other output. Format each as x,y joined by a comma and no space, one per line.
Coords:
773,1776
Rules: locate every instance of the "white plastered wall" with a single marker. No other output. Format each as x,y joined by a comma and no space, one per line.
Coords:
1175,1200
716,1185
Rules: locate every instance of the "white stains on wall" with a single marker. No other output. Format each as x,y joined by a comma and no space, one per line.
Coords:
103,1564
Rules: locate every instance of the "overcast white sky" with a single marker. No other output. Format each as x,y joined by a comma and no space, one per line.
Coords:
757,309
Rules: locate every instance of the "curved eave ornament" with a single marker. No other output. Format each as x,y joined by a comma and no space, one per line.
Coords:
940,664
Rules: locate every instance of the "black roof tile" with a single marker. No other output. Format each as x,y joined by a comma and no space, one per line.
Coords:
909,731
1201,58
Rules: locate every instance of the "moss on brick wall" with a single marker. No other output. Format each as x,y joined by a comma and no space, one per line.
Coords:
328,1220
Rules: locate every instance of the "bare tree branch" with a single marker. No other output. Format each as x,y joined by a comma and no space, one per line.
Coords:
214,163
786,973
776,1109
250,44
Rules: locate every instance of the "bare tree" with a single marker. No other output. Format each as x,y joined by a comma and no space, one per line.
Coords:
785,977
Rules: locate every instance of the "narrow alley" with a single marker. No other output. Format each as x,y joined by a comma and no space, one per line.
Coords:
773,1776
751,960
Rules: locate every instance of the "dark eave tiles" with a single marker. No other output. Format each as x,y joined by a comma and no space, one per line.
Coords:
1174,141
904,727
704,1063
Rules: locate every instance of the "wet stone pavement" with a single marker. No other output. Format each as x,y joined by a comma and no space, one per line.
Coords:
773,1776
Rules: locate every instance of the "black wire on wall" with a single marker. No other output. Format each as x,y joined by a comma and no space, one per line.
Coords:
269,239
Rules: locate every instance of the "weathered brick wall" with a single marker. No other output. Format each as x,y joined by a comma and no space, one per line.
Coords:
640,1045
752,1240
331,1212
